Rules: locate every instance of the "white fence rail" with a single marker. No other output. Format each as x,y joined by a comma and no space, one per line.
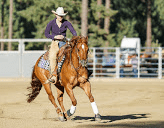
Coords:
108,62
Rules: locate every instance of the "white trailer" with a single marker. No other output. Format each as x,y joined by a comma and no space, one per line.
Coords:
128,47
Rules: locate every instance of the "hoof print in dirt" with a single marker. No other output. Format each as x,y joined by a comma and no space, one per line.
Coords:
61,118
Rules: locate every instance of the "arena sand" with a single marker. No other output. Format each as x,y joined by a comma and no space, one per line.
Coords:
122,103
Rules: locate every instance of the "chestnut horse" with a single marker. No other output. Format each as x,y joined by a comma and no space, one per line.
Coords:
73,73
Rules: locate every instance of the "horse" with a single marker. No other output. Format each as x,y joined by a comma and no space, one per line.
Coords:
73,73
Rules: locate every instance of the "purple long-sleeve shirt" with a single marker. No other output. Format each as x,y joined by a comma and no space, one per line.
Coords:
55,30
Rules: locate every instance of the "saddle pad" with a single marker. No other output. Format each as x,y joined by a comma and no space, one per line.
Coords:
60,64
44,63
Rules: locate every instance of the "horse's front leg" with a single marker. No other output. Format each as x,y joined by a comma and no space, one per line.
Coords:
70,93
52,99
60,92
87,88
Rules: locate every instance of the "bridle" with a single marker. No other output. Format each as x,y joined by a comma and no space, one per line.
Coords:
83,62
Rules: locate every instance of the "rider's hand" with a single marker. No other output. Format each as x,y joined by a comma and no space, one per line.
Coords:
59,37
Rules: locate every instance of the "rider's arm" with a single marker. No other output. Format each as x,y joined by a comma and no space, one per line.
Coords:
47,31
70,27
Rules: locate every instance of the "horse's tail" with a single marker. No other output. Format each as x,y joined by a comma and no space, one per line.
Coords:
35,87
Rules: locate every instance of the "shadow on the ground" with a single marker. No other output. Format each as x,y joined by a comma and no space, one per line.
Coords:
106,119
130,124
111,121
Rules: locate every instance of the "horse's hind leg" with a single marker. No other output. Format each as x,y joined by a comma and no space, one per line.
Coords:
52,99
60,92
87,88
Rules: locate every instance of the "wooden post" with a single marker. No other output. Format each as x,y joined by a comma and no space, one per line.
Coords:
10,25
106,25
148,40
99,2
2,23
84,18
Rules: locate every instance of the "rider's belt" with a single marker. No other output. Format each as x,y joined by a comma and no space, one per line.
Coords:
58,39
64,39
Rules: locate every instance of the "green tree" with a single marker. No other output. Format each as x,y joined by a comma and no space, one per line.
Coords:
127,18
130,20
97,33
158,22
21,27
39,13
126,28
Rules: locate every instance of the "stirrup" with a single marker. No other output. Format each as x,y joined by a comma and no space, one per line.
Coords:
52,79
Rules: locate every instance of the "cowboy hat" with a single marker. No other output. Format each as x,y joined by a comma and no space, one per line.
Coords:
59,11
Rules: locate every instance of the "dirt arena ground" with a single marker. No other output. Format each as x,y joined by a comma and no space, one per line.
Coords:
122,103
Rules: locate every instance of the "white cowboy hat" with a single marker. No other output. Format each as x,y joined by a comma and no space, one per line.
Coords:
59,11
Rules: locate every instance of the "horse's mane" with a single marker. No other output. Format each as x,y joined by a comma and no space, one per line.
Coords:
73,43
75,39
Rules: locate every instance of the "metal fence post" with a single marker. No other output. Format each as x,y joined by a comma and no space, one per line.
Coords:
94,63
139,50
159,63
117,62
21,49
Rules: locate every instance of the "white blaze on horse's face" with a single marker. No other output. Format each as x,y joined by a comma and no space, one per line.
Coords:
83,54
82,46
84,51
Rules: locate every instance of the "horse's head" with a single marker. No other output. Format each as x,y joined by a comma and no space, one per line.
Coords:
81,48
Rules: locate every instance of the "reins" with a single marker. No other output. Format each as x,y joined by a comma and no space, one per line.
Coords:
72,63
80,62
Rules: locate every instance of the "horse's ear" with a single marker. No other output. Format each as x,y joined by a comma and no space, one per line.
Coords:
73,40
86,38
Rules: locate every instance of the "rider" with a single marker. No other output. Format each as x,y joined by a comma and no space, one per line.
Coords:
58,28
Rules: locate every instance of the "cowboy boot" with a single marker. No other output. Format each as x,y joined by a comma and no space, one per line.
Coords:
53,77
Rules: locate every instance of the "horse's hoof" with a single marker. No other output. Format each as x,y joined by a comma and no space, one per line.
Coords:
68,113
61,118
66,117
97,117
